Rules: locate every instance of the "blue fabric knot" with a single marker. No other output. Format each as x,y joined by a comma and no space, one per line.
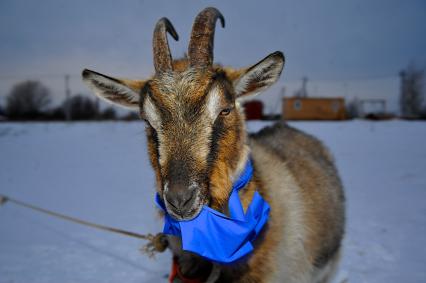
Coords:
215,236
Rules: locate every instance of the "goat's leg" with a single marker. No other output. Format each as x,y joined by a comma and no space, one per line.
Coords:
214,274
193,266
190,264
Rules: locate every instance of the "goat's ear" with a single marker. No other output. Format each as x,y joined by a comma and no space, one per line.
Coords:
118,91
258,77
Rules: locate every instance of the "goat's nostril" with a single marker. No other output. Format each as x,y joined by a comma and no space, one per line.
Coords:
180,201
188,198
173,203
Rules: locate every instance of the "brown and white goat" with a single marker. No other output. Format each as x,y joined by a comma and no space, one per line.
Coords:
198,145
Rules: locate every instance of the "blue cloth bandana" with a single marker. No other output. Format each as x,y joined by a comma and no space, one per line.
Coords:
214,235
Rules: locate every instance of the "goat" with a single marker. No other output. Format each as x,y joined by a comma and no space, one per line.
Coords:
198,146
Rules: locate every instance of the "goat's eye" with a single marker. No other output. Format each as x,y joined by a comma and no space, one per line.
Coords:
225,112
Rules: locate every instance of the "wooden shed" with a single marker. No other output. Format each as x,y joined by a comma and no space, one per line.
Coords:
309,108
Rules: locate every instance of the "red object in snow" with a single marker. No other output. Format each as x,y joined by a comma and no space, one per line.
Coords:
175,273
253,110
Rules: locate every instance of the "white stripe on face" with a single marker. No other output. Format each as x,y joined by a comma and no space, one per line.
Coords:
151,114
213,103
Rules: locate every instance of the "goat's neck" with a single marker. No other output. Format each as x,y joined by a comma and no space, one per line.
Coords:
246,193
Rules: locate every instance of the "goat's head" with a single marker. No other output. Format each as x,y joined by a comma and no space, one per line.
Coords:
194,122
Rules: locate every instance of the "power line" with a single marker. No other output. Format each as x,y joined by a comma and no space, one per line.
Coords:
51,76
312,78
346,80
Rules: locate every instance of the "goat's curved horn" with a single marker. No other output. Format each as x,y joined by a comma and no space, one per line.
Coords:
162,55
200,50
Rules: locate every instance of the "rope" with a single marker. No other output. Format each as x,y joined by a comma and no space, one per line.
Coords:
158,243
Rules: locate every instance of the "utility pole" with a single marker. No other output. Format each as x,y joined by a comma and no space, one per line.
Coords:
403,97
304,92
67,98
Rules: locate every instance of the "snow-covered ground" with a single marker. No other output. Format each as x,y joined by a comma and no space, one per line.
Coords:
100,172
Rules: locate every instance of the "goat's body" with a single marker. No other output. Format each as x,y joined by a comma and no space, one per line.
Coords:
198,146
295,173
298,178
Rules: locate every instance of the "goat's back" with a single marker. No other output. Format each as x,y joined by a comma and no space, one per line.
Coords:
298,177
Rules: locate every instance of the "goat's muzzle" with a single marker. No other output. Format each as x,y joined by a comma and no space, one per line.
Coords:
183,202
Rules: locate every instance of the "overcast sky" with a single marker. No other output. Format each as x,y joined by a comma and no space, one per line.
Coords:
342,46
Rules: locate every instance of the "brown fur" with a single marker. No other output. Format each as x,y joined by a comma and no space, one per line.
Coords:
197,144
294,172
306,222
305,156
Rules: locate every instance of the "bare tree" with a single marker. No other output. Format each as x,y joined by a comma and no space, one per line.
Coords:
131,116
27,100
411,99
82,108
108,114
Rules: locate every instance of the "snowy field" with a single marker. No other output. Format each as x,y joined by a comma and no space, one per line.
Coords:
100,172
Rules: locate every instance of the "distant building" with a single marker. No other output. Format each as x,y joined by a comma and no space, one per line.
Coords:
304,108
253,110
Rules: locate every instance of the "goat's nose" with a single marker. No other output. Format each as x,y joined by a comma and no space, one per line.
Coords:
181,198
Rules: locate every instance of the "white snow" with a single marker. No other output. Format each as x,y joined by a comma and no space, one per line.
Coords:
100,172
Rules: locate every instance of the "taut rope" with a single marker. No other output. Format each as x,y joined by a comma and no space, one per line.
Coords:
157,243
